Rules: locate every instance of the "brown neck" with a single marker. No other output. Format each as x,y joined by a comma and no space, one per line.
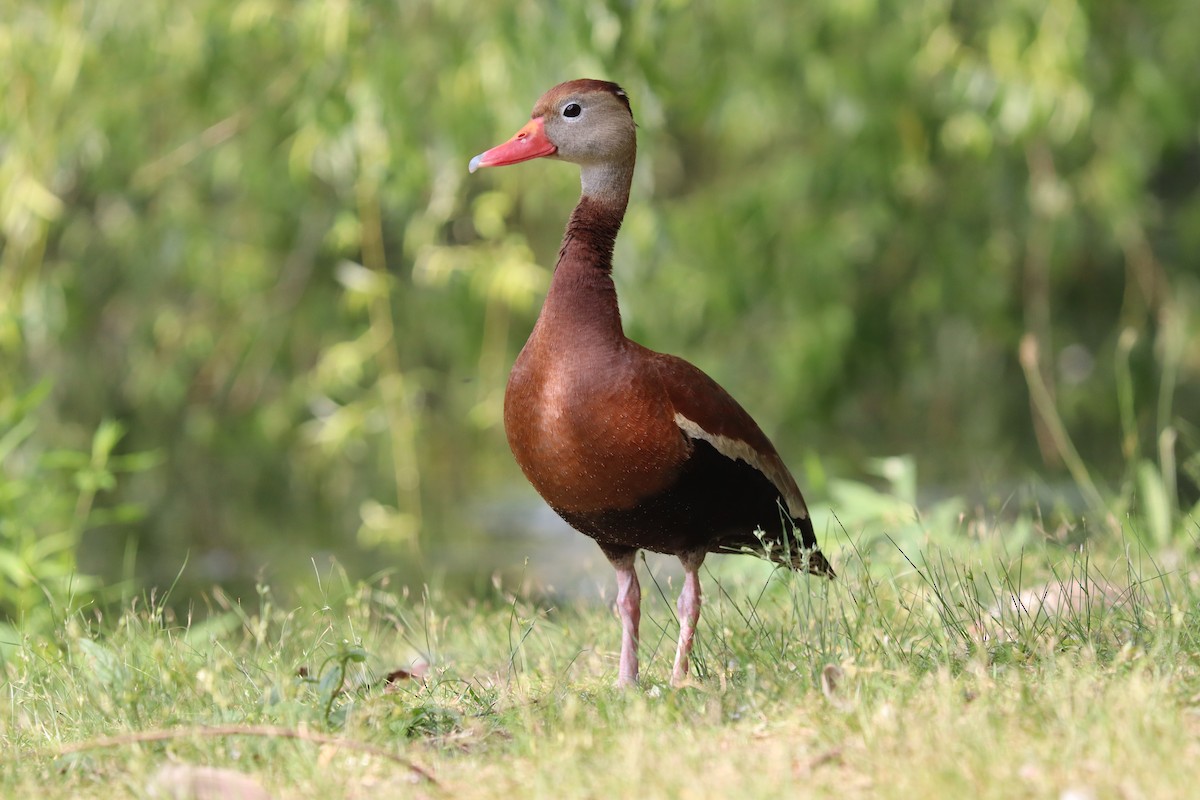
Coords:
590,236
592,229
582,296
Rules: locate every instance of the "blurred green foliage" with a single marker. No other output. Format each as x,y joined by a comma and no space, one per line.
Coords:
244,230
49,498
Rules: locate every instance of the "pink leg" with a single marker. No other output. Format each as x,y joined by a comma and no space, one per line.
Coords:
629,607
689,614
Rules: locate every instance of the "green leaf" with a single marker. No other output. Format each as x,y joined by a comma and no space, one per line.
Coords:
1156,512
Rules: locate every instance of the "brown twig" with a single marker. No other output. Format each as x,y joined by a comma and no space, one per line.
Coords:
813,763
1043,402
1036,294
264,731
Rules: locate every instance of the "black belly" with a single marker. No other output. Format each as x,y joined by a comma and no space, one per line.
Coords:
716,504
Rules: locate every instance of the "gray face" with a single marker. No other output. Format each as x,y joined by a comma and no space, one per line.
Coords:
590,128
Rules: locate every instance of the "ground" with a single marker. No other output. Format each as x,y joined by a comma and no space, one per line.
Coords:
1064,671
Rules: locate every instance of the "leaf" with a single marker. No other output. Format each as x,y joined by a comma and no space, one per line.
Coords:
331,681
1153,503
13,568
105,439
14,436
106,666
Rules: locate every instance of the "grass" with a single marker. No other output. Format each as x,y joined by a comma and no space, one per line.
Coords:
934,672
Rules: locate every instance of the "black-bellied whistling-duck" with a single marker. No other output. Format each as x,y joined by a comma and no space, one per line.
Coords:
637,449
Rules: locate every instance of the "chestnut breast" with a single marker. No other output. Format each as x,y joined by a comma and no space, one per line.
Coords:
591,426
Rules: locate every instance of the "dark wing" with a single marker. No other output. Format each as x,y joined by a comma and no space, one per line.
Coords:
703,410
707,413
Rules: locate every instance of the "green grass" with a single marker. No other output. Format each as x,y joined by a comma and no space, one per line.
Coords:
916,674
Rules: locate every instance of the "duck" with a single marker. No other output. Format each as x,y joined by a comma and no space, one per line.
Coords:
637,449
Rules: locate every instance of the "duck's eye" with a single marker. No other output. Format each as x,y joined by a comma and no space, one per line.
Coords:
572,110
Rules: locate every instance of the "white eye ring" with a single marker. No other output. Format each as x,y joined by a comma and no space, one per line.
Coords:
572,110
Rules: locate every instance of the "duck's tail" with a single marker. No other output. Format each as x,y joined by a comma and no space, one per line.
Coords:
811,561
803,554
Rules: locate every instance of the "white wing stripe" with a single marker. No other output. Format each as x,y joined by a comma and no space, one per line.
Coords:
738,450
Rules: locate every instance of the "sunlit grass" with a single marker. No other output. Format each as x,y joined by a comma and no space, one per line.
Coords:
935,672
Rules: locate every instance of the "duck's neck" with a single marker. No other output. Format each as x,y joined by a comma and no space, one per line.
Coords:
582,297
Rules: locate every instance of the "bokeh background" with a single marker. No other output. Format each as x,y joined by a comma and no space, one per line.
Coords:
255,314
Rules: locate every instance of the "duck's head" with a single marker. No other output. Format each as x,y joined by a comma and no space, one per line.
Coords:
587,122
